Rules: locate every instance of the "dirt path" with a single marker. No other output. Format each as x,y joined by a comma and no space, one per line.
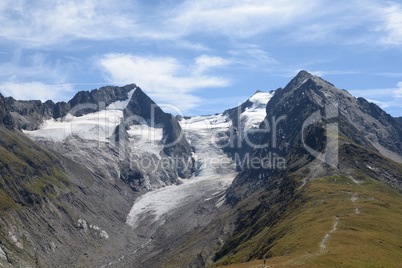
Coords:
354,199
323,244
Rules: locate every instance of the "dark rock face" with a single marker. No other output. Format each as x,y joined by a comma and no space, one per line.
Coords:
102,96
359,121
364,123
236,133
30,115
143,106
5,115
399,120
176,150
389,134
237,144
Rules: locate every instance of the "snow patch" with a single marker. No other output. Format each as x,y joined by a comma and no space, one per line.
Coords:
146,140
261,98
98,126
254,115
206,123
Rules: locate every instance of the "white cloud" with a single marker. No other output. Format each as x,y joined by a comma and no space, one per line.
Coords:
385,98
325,21
47,22
165,78
372,93
190,46
205,62
392,16
237,18
32,67
251,55
35,76
398,92
334,72
34,90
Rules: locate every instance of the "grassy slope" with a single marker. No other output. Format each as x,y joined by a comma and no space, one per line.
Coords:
372,238
29,175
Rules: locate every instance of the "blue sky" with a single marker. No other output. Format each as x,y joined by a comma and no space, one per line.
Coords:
203,56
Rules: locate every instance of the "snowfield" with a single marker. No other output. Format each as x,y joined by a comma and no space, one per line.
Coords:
253,116
97,126
214,174
146,140
215,171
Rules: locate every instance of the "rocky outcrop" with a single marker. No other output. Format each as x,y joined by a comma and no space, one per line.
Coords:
5,115
399,120
241,135
103,96
30,115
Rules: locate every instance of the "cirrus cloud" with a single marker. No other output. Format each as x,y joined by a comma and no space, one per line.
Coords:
165,78
398,92
45,22
35,90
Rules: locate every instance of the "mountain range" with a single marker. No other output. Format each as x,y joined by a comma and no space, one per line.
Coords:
304,175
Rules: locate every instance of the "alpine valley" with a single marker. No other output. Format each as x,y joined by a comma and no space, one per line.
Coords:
306,175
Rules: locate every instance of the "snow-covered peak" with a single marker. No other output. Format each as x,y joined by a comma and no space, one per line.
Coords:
254,115
96,126
260,99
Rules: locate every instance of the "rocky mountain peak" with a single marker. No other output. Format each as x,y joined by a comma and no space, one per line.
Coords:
106,95
143,106
299,79
307,94
306,78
